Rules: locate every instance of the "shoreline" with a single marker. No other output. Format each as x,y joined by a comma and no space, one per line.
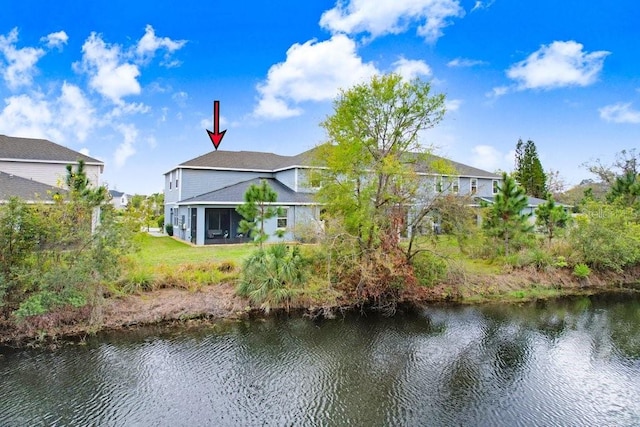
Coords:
219,302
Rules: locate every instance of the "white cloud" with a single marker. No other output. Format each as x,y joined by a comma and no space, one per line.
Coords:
128,108
68,118
313,71
452,104
55,40
109,74
620,113
497,92
378,18
180,98
464,62
27,116
20,63
482,5
76,114
149,44
410,68
557,65
126,149
487,158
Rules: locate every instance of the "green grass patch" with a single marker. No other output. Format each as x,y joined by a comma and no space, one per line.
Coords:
155,251
164,262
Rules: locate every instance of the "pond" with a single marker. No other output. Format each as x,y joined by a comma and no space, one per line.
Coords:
573,362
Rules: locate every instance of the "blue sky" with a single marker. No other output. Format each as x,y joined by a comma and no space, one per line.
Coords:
133,83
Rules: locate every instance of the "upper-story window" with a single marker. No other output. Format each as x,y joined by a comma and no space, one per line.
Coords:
315,178
474,185
495,187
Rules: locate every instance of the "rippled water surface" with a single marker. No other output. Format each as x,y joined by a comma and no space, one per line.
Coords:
569,363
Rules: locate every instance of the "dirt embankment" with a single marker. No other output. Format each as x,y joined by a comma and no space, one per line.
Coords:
220,302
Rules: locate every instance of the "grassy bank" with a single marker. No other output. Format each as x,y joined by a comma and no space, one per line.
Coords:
165,262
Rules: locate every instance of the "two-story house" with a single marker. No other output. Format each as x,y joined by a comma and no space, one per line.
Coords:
32,168
202,194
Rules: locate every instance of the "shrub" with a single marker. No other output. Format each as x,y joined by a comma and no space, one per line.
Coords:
160,221
581,271
606,237
272,276
169,229
428,268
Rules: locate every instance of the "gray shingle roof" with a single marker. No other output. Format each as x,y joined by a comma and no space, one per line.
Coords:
234,194
26,189
259,161
532,202
250,160
12,147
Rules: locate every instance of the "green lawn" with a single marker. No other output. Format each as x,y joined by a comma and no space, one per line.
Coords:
155,251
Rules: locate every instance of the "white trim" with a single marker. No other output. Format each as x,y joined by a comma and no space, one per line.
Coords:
57,162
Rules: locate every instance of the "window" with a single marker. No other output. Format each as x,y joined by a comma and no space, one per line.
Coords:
474,185
455,185
495,187
315,178
438,184
174,214
282,218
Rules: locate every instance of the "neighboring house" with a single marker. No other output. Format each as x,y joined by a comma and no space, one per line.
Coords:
42,162
532,204
119,200
201,195
26,189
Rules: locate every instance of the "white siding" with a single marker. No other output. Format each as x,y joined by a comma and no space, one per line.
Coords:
48,173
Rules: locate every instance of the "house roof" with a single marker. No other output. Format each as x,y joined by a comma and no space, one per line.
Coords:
15,148
25,189
269,162
248,160
532,202
234,194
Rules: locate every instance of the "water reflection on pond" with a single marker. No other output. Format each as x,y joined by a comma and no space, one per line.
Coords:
570,362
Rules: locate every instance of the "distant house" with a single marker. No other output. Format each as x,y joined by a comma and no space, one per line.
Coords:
202,194
119,200
32,168
532,204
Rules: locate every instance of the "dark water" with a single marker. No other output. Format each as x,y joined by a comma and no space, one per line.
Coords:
568,363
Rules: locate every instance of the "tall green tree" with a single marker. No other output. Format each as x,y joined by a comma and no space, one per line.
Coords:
258,207
528,170
504,219
370,174
551,217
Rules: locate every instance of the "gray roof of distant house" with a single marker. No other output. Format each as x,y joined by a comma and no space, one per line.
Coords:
269,162
15,148
25,189
234,194
532,202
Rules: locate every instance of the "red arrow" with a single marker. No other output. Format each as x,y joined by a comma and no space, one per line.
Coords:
216,136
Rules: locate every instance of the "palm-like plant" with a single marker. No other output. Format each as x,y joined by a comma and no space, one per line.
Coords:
272,276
